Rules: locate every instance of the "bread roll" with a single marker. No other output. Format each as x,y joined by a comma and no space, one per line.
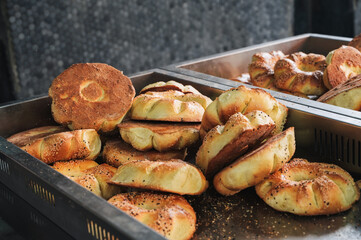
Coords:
170,85
78,144
163,137
173,176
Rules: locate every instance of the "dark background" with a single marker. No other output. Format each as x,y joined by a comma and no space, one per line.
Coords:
39,39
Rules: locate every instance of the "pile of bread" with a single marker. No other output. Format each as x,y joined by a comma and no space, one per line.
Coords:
334,79
143,142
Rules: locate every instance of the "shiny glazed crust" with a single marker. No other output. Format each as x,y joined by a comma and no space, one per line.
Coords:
261,70
242,99
257,165
163,137
342,64
22,138
170,85
302,73
347,94
170,215
305,188
117,153
175,176
77,144
173,106
225,143
91,95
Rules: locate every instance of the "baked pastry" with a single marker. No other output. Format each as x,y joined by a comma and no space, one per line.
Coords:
224,143
77,144
356,42
346,94
22,138
90,175
171,106
243,99
304,188
91,95
257,165
261,69
342,64
175,176
170,85
244,78
302,73
144,136
117,152
169,215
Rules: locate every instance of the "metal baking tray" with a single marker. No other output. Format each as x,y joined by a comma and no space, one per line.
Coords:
222,67
320,136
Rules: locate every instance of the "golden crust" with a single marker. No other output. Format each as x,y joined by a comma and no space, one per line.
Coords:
22,138
261,69
170,215
342,64
242,99
356,42
175,176
78,144
257,165
145,136
302,73
91,95
305,188
171,106
117,152
225,143
346,94
170,85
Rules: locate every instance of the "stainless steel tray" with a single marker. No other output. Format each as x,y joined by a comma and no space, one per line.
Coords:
223,66
320,136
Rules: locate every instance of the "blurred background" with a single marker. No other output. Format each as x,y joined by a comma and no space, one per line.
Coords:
39,39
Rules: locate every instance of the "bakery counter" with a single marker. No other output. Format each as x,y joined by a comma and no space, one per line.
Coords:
321,136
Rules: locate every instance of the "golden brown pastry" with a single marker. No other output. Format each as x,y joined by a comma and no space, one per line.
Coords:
342,64
304,188
346,94
169,215
175,176
90,175
163,137
261,69
22,138
257,165
170,85
225,143
242,99
302,73
356,42
117,152
77,144
91,95
173,106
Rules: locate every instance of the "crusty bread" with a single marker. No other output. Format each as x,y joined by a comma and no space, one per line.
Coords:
90,175
261,69
225,143
257,165
77,144
91,95
170,85
22,138
305,188
175,176
163,137
116,152
342,64
356,42
302,73
243,99
346,94
171,106
170,215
